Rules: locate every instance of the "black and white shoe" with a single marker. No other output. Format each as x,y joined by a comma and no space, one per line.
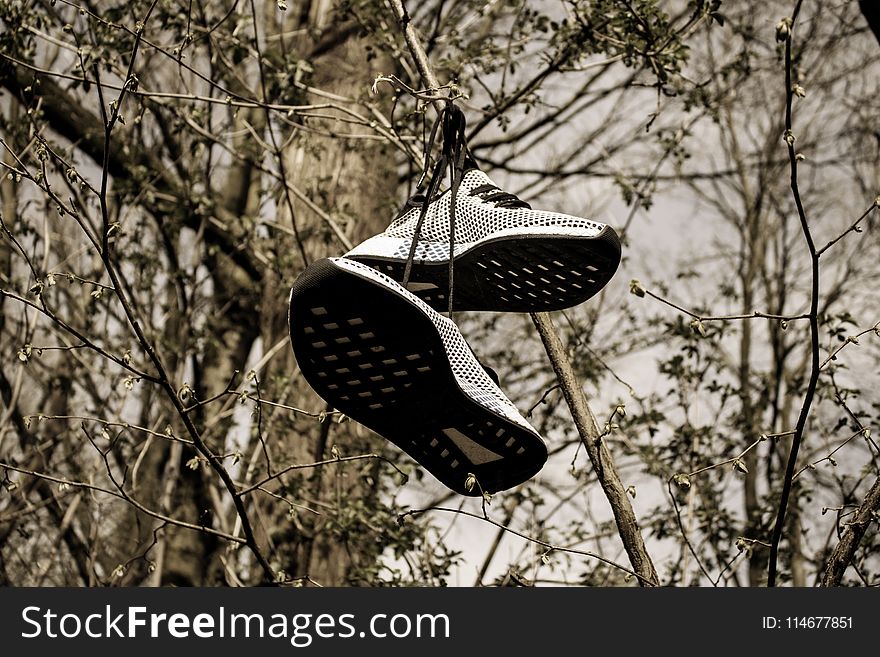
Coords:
506,256
380,355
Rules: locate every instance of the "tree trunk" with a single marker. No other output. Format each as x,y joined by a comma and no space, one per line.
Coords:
350,179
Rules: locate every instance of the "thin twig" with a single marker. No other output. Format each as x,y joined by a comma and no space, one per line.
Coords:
684,533
531,539
317,464
722,318
813,315
852,339
830,456
127,498
854,228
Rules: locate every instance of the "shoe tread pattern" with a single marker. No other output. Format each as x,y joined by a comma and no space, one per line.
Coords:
375,354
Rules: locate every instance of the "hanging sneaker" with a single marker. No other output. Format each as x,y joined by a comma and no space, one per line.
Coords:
381,356
505,255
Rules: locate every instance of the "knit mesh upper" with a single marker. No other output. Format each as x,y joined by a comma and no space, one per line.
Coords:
476,219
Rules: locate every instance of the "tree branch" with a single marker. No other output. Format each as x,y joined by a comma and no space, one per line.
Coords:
843,553
813,313
600,457
81,127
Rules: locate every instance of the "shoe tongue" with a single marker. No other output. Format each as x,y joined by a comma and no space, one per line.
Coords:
474,178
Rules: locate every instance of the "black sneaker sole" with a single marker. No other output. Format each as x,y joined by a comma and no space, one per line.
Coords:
528,273
378,358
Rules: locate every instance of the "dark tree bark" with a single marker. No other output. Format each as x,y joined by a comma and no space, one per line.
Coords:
844,552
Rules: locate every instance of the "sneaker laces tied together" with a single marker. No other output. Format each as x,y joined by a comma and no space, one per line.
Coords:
454,156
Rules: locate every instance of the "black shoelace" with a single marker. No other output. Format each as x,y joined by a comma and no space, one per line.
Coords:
454,155
500,198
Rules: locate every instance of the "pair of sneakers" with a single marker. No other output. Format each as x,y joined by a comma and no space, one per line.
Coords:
369,338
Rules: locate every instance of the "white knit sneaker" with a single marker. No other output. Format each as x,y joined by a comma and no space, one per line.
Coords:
380,355
507,257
